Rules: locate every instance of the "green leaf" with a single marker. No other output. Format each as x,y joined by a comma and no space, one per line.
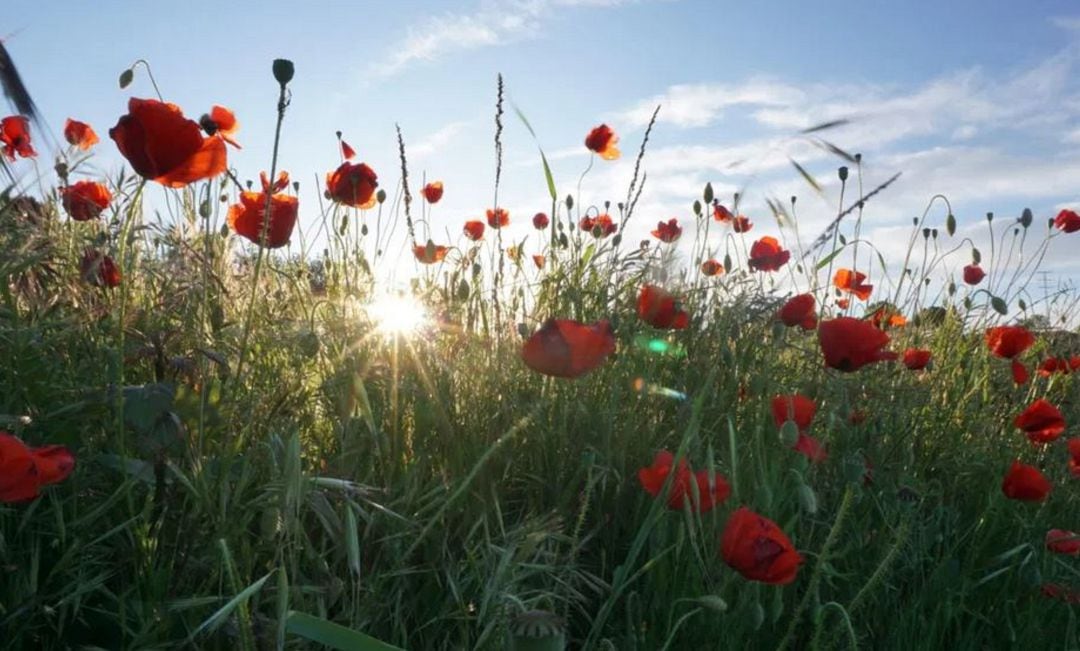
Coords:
333,635
806,175
829,258
217,619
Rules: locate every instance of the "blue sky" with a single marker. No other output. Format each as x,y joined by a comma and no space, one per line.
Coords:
977,100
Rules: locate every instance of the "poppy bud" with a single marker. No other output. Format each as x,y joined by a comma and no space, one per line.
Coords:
976,257
363,229
563,241
999,305
283,71
793,198
757,615
126,77
933,233
463,290
858,158
697,207
989,216
338,134
204,209
1026,218
708,193
296,186
380,196
1022,305
950,224
727,261
843,172
789,431
476,269
615,241
223,198
569,202
807,499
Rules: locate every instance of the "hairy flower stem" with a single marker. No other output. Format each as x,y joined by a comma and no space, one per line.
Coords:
815,578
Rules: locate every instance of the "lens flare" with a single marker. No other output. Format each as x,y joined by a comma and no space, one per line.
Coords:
641,386
397,314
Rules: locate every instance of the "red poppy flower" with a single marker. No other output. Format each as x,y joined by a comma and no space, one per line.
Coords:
712,267
756,548
85,200
15,137
602,140
849,344
599,226
1061,365
886,317
222,123
973,274
660,309
652,480
847,280
498,217
799,311
1060,541
433,191
538,260
164,146
540,221
1067,221
79,134
1026,483
916,359
767,255
1020,373
1041,421
246,218
741,224
352,184
1009,341
429,253
795,407
1060,592
843,303
25,470
474,229
567,348
810,447
667,231
347,152
99,269
720,213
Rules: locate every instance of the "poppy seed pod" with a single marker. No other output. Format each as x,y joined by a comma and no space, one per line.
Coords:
283,71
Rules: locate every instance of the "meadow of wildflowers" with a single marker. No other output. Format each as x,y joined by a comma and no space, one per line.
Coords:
216,437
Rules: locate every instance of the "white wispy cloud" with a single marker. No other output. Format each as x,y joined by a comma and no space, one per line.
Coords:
436,141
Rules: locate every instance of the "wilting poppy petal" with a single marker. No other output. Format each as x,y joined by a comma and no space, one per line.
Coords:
18,472
15,137
799,311
430,253
53,463
756,548
766,254
1042,422
916,359
347,152
742,224
85,200
849,344
712,267
1060,541
720,213
498,217
222,123
602,140
661,309
79,134
1025,483
99,269
810,447
668,231
567,348
433,191
850,281
352,184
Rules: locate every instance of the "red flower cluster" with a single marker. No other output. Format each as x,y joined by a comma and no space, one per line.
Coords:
24,470
599,226
686,484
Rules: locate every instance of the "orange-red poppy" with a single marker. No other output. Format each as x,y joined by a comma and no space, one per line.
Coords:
766,254
843,303
796,408
474,229
246,218
850,281
742,224
79,134
433,191
221,122
352,184
15,137
799,311
1060,541
1020,374
85,200
683,484
538,260
668,231
498,217
1009,341
99,269
1025,483
347,152
758,549
24,470
712,267
164,146
568,348
430,253
886,317
849,344
916,359
1042,422
1067,221
661,309
1061,365
602,140
720,213
973,274
599,226
540,221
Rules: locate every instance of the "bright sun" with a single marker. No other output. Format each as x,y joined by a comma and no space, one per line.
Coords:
397,314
